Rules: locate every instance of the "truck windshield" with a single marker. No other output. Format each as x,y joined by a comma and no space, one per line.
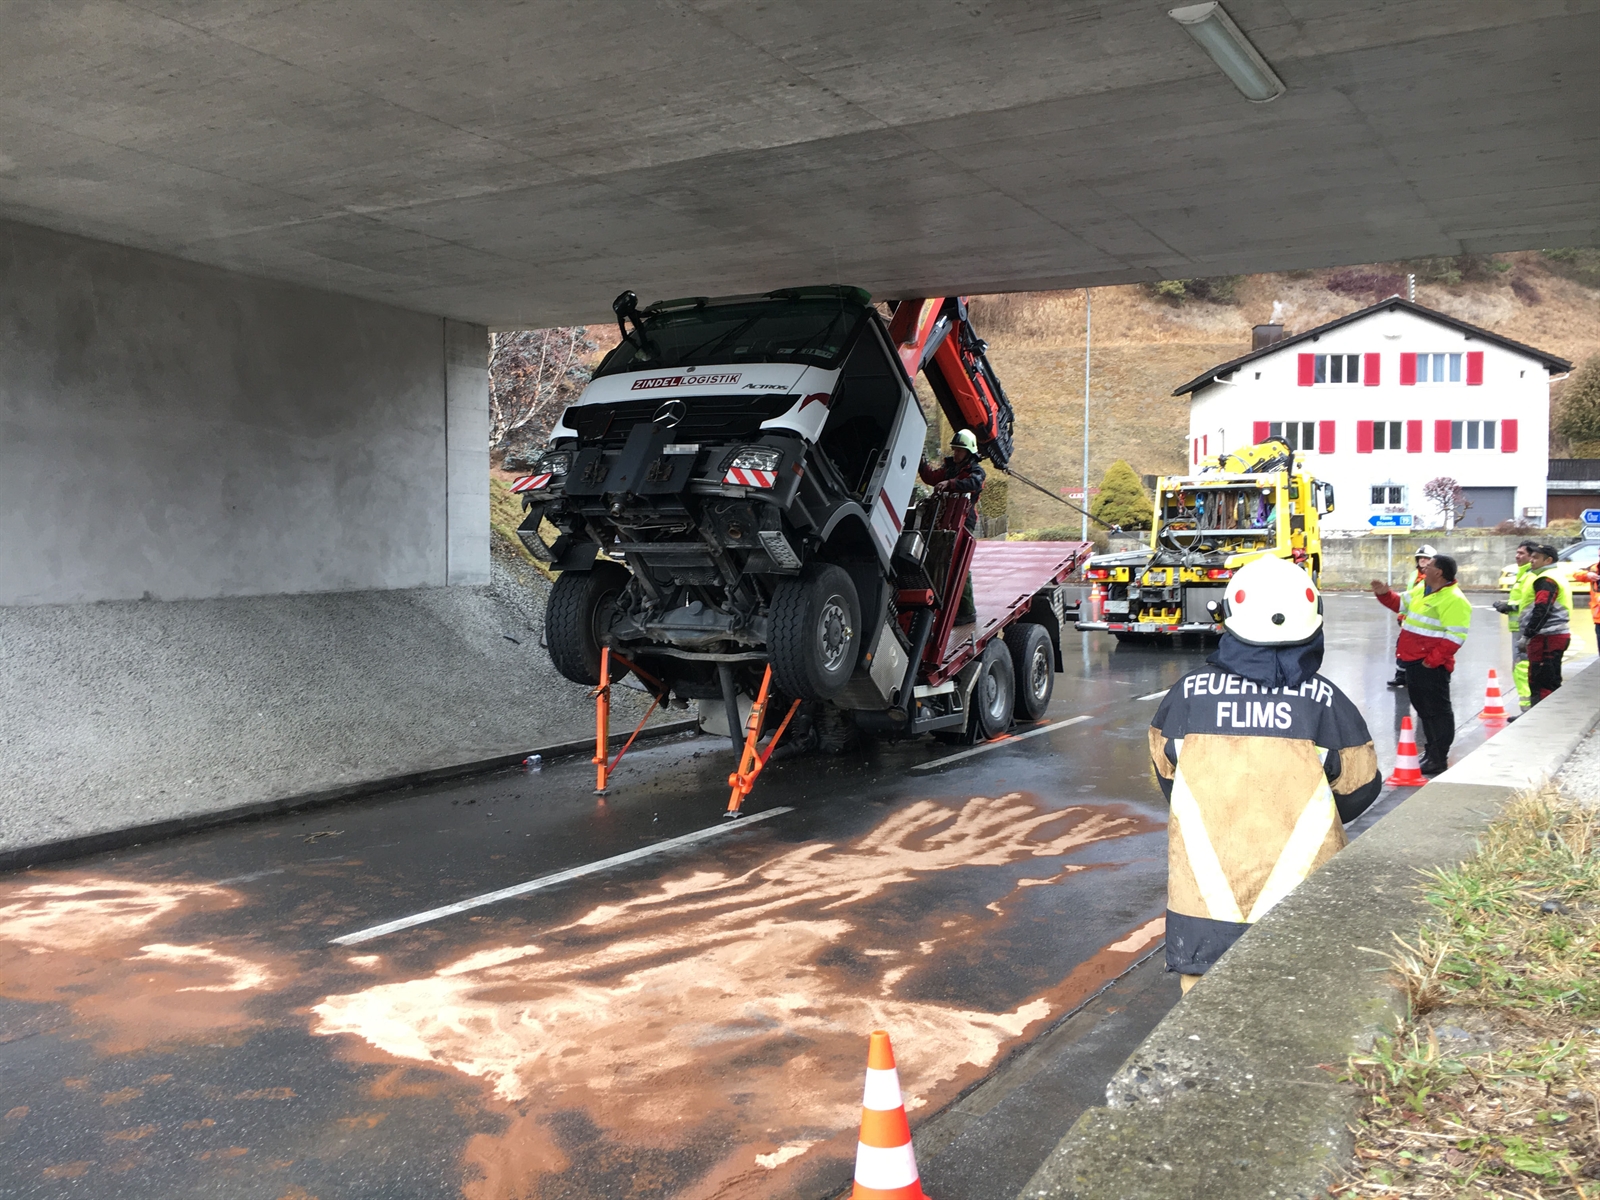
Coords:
813,332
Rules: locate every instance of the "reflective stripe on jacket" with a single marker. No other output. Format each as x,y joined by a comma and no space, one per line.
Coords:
1558,617
1259,780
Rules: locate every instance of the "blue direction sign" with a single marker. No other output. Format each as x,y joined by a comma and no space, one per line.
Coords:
1390,521
1591,516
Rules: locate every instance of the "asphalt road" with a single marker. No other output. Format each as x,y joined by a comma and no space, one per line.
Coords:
177,1020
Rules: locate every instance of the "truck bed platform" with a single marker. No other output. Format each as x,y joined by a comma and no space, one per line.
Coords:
1005,578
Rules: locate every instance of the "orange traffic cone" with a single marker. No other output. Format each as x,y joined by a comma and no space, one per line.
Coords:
886,1169
1494,714
1406,773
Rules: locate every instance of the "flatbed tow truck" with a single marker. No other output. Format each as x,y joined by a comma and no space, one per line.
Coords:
1253,502
733,498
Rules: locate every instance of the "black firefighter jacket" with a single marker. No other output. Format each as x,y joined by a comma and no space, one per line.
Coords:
1262,759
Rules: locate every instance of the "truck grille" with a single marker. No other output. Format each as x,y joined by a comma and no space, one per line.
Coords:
706,418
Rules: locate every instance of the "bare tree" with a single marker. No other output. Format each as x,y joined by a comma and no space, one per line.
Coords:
1449,497
533,373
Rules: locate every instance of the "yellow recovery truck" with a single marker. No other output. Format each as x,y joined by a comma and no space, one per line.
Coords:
1256,501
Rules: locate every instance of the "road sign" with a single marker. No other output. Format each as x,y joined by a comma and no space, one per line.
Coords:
1591,516
1591,533
1390,521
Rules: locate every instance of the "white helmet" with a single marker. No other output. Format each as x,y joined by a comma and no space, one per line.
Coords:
1272,602
1425,551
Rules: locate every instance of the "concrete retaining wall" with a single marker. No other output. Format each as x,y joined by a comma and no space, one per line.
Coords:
137,714
1230,1095
1355,561
176,431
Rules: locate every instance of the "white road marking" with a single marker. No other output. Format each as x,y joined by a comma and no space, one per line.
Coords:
1153,696
997,743
544,881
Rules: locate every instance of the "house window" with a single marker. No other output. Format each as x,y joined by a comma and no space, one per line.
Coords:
1301,435
1337,368
1388,435
1388,493
1472,435
1438,368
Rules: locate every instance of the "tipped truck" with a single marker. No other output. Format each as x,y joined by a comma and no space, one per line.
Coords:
735,490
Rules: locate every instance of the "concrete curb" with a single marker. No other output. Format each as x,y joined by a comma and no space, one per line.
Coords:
137,835
1230,1096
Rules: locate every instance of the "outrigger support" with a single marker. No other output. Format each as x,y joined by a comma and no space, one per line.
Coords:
752,760
603,763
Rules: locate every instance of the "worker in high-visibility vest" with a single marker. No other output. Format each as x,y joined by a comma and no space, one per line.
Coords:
1546,628
1433,628
1592,578
1517,599
1263,761
1424,556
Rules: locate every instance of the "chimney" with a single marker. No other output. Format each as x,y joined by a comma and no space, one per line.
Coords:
1262,336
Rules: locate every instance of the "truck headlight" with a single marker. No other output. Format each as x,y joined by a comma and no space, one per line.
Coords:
556,463
753,466
755,458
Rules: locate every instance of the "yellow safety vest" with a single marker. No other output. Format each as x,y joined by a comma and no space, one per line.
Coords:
1560,618
1442,614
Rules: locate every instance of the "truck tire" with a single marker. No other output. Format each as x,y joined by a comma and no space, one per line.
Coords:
575,616
813,632
1033,662
993,692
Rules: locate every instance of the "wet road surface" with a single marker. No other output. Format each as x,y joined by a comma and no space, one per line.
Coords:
177,1020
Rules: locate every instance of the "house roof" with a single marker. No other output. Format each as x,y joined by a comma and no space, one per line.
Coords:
1549,361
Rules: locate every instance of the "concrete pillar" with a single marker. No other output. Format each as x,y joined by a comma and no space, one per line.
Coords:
171,431
466,388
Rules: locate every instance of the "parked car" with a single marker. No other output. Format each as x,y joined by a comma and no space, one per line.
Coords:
1580,556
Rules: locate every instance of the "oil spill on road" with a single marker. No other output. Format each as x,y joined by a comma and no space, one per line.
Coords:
705,1031
94,945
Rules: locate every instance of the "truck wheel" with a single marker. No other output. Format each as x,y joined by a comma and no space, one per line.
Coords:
1033,662
579,611
813,632
993,692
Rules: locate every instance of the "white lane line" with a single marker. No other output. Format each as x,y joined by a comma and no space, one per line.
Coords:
997,743
1153,696
544,881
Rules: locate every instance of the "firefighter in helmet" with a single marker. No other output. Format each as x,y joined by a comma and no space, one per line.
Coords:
1263,761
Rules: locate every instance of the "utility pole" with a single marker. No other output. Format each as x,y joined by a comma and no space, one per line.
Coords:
1087,326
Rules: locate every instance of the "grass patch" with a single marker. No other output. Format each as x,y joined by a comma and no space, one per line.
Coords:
505,514
1492,1086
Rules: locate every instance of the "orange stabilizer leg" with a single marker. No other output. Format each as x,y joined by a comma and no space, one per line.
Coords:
602,723
752,761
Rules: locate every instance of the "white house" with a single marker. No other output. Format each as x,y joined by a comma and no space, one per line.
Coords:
1383,401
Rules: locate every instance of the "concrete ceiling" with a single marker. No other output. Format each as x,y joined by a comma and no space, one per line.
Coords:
519,164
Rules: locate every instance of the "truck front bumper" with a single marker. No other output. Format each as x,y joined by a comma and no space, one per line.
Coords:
1147,627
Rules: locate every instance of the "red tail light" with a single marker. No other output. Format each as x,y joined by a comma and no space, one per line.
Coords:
1219,573
1097,573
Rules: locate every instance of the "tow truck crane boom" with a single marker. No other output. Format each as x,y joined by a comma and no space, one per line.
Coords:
936,337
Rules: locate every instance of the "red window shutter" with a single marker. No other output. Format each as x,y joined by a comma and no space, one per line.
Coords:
1369,370
1363,437
1258,432
1325,437
1474,368
1413,437
1508,437
1408,370
1441,437
1308,371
